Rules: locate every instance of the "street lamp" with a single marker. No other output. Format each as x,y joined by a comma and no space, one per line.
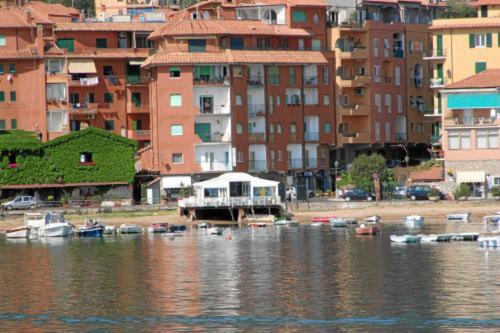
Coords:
335,170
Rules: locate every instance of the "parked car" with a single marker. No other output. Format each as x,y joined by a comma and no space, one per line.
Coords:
421,192
357,194
400,191
291,193
23,202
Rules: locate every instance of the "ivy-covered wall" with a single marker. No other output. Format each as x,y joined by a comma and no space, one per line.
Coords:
58,161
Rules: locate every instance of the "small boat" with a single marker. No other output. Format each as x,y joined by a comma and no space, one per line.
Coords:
158,228
91,228
405,239
367,230
281,221
373,219
258,224
489,241
55,226
177,228
413,221
323,219
338,222
214,231
34,221
172,234
18,232
494,218
465,236
435,238
317,224
129,229
109,230
458,217
202,225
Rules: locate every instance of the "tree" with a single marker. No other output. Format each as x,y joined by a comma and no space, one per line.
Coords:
363,168
458,9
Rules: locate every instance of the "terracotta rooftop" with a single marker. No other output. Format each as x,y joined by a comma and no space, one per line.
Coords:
107,26
238,57
300,3
17,17
465,23
224,27
490,78
52,9
485,3
54,52
429,175
27,53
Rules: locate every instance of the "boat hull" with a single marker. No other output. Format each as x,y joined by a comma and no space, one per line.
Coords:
90,232
157,229
405,239
56,230
458,217
109,230
21,232
129,229
325,219
258,225
214,231
367,231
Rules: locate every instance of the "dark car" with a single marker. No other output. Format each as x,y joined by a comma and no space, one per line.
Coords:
357,194
420,192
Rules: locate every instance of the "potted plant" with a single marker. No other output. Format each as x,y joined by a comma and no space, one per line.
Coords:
434,195
462,192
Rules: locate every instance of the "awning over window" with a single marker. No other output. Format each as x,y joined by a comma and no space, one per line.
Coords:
135,62
176,181
82,66
471,176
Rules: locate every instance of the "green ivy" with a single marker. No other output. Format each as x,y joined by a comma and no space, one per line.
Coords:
58,161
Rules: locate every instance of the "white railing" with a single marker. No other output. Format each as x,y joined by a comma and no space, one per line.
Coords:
229,202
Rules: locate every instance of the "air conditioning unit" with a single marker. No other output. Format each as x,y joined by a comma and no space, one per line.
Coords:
122,34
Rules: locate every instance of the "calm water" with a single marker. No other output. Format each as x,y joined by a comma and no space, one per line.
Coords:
276,279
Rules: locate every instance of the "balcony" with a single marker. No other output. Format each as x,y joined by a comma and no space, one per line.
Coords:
214,165
437,54
137,80
138,108
256,110
215,110
84,82
139,135
255,81
400,136
354,53
311,163
310,80
354,81
295,163
257,165
355,110
257,137
471,122
355,137
398,52
437,83
208,80
311,136
83,108
212,138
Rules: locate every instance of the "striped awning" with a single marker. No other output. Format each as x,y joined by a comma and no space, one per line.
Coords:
471,176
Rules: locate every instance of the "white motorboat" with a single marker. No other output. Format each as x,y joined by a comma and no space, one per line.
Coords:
413,221
493,218
109,230
214,231
373,219
158,228
458,216
18,232
34,221
55,226
465,236
316,224
405,239
489,241
129,229
435,238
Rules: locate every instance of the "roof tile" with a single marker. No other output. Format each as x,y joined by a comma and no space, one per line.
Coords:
490,78
107,26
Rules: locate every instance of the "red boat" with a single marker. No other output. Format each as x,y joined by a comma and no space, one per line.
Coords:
323,219
364,230
158,227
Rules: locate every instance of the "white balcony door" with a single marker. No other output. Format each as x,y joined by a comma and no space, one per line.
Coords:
209,159
397,76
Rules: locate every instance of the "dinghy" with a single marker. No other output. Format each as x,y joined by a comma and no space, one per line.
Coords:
109,230
18,232
458,217
338,222
413,221
323,219
435,238
405,239
129,229
367,230
214,231
465,236
158,228
373,219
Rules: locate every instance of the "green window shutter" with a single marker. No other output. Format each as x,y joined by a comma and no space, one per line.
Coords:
101,43
439,71
1,69
205,70
2,124
134,124
108,98
13,124
299,16
13,96
136,99
472,41
66,43
498,38
488,40
439,42
2,96
12,68
480,67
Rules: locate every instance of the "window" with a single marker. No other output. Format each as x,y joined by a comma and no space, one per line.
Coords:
273,75
299,16
278,100
326,76
55,91
53,66
480,40
387,131
271,128
174,72
238,100
377,131
1,69
109,125
278,128
237,71
236,43
496,181
239,128
388,103
291,75
107,70
376,73
3,40
176,130
480,67
56,120
271,104
197,45
378,102
400,103
136,98
108,97
327,127
293,128
142,42
263,43
177,158
12,68
359,91
86,158
487,139
280,155
175,100
13,124
101,43
458,139
2,124
13,96
326,99
2,96
375,47
66,43
397,76
316,45
239,157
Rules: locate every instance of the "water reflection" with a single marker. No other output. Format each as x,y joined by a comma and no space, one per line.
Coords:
278,279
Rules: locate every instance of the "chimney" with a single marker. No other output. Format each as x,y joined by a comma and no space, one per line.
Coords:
29,18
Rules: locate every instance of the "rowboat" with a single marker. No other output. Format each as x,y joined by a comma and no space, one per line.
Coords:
18,232
489,241
129,229
214,231
405,239
435,238
158,228
323,219
458,216
338,222
367,230
316,224
413,221
465,236
373,219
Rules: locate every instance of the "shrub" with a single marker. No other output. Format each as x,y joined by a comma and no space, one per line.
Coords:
463,190
433,193
495,191
363,168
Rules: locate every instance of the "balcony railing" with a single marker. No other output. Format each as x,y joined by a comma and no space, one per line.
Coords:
256,110
137,80
215,165
255,80
214,109
295,163
310,79
210,80
388,79
257,137
476,121
400,136
139,108
257,165
437,83
140,134
212,137
434,54
311,136
229,202
83,108
353,52
84,82
355,137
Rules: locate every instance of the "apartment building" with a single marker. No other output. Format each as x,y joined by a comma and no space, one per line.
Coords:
251,94
114,9
381,87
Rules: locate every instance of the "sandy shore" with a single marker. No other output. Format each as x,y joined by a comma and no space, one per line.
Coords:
389,214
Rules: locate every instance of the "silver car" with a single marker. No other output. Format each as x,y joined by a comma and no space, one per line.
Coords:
23,202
